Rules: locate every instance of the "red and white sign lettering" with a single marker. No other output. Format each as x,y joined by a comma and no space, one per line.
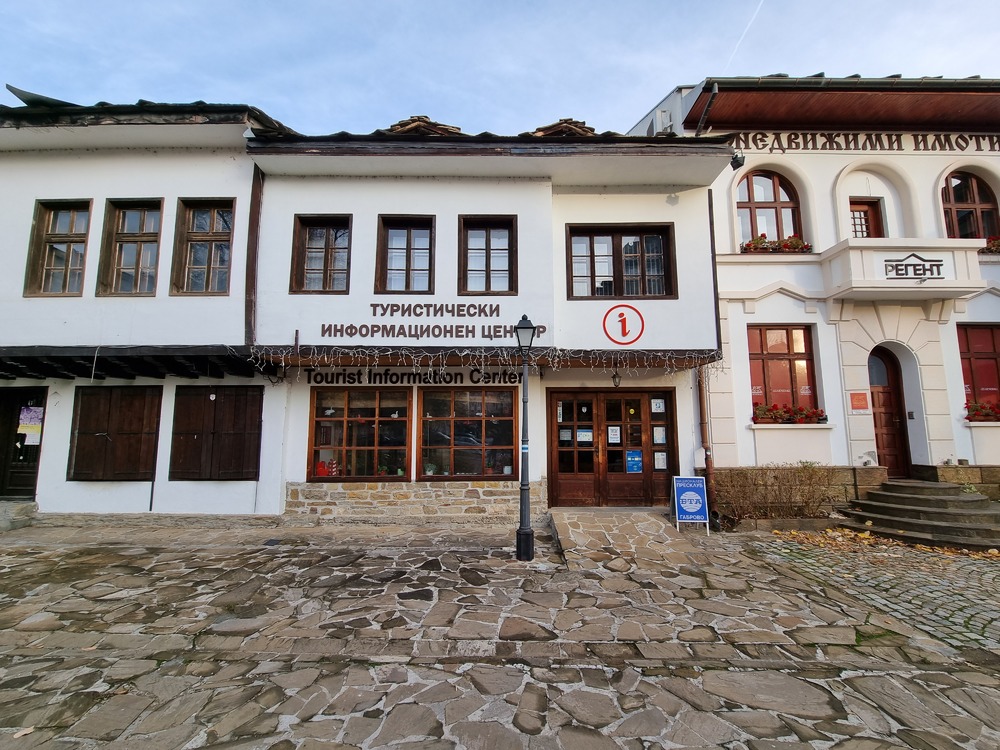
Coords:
623,324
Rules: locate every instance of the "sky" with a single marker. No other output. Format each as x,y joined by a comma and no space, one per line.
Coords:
503,66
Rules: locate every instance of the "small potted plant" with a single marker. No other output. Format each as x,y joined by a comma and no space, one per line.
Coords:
430,468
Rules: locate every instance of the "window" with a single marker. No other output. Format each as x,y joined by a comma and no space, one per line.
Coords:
766,204
359,434
866,218
488,258
620,262
321,254
781,366
131,249
405,254
58,249
216,432
203,253
970,208
467,432
114,433
980,351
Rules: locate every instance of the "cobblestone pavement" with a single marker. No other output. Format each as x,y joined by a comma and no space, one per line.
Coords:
954,598
327,638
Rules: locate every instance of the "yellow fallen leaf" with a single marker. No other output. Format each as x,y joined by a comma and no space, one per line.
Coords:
23,732
868,523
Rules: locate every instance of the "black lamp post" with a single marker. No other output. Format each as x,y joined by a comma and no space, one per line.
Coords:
525,331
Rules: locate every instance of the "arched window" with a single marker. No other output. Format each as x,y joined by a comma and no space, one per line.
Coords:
970,208
766,204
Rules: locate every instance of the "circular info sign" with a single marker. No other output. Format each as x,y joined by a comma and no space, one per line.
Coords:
623,324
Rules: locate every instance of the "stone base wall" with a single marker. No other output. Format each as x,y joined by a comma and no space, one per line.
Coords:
985,478
467,502
16,514
848,482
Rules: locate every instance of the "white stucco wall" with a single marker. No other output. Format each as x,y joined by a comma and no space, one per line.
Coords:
100,176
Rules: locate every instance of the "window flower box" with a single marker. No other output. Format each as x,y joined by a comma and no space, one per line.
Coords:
761,244
992,246
785,414
982,411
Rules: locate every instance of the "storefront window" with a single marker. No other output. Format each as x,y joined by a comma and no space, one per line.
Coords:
466,432
359,434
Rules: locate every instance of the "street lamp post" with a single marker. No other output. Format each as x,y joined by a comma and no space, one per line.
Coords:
525,544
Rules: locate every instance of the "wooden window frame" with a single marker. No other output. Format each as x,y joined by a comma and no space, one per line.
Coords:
222,442
323,453
43,235
109,441
779,183
664,231
300,252
115,236
489,454
185,235
409,223
470,223
984,202
974,360
872,208
807,356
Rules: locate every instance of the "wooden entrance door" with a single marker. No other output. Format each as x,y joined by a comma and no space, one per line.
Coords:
611,448
21,412
889,413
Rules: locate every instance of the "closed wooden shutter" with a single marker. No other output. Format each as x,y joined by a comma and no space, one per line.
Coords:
216,433
114,433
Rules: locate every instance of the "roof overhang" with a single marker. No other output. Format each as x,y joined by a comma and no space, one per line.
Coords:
129,362
616,161
131,126
845,104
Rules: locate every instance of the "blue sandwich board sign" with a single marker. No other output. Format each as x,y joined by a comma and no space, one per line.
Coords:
690,501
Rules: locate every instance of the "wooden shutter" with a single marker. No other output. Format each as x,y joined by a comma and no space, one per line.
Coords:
216,433
114,433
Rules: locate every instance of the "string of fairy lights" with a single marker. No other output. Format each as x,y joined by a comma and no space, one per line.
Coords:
292,360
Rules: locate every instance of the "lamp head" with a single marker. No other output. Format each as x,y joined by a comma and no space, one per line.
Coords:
525,331
616,378
737,161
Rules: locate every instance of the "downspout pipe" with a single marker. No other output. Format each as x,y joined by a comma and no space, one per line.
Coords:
706,443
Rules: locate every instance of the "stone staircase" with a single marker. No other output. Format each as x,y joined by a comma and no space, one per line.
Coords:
940,514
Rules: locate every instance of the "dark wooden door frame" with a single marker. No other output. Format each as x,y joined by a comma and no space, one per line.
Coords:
652,493
17,481
893,424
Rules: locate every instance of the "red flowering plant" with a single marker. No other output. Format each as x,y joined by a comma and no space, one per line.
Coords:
786,414
992,246
761,244
982,411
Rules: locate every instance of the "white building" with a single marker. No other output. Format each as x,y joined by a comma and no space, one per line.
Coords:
208,312
890,322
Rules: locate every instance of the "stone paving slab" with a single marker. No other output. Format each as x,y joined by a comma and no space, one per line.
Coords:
622,633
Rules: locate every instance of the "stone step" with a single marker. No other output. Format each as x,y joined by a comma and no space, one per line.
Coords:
962,500
985,533
929,539
920,487
986,515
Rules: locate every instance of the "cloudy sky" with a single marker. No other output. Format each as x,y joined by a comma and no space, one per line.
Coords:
506,66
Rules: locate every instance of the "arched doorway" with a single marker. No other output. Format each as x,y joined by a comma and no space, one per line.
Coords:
889,412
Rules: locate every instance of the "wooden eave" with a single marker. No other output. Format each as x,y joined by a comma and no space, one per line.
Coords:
128,363
846,104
